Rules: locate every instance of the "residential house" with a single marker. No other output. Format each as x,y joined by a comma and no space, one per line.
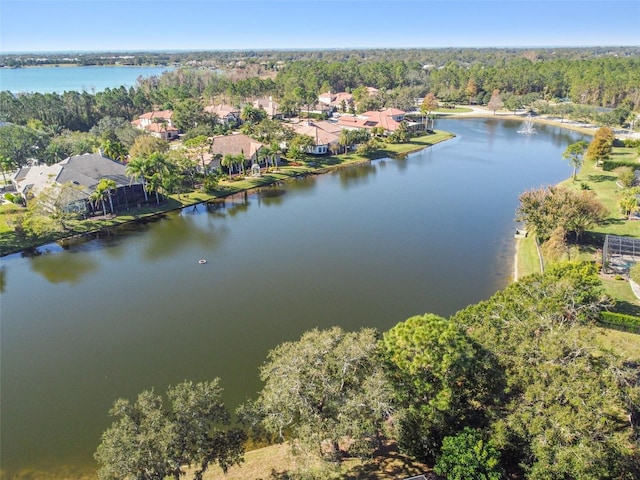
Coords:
336,100
84,172
237,143
157,123
269,106
324,134
227,114
389,119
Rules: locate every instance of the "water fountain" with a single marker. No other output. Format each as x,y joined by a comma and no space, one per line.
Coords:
527,127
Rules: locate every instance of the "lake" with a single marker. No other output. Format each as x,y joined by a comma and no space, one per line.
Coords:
366,246
81,78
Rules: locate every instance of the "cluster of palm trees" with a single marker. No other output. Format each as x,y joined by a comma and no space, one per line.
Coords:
154,172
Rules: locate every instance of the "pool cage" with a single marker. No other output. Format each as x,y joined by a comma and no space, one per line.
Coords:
619,254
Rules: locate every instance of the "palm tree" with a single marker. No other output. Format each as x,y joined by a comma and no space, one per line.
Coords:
157,169
263,154
137,169
102,192
114,150
228,161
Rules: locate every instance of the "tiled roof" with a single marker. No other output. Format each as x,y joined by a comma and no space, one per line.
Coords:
158,115
320,136
235,144
159,128
222,110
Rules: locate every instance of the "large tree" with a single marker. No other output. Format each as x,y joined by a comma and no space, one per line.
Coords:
147,441
441,380
328,391
20,143
544,210
569,406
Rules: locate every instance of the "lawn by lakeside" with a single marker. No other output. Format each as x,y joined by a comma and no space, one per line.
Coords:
603,183
10,242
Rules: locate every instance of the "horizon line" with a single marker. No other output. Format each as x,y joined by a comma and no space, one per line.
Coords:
308,49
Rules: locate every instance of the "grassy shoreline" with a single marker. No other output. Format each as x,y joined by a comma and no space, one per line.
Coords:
10,243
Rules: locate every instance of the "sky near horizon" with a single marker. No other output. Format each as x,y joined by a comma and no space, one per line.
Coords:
130,25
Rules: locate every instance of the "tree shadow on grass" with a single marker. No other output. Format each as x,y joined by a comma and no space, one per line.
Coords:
387,463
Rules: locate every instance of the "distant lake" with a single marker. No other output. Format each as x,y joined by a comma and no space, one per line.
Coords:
367,246
62,79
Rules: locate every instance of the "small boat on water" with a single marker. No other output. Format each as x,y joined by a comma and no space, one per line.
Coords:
202,261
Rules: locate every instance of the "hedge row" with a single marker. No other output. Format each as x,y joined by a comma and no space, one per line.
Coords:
630,322
609,165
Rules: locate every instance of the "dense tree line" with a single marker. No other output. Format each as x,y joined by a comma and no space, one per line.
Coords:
401,76
438,56
516,385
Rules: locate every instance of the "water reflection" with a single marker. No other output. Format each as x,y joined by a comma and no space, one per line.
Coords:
356,176
178,232
65,266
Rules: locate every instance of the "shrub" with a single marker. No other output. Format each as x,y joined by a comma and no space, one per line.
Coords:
626,176
620,319
8,197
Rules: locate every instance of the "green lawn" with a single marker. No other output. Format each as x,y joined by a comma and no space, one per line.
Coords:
603,184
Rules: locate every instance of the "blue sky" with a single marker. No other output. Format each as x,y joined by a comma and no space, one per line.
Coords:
97,25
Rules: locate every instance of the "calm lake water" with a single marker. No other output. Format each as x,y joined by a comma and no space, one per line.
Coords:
366,246
61,79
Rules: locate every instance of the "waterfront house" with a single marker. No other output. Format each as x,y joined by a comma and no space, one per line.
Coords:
83,172
325,135
235,144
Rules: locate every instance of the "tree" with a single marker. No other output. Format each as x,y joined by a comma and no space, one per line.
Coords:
543,210
197,415
429,104
198,147
467,456
472,89
299,146
103,191
145,145
231,162
189,113
495,102
559,379
138,169
601,146
114,150
575,153
439,379
53,208
327,391
149,442
22,143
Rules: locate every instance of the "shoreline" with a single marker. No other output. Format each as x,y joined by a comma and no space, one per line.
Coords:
194,198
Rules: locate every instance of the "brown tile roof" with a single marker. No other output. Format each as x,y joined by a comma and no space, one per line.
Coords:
320,136
222,110
235,144
159,127
158,114
355,122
